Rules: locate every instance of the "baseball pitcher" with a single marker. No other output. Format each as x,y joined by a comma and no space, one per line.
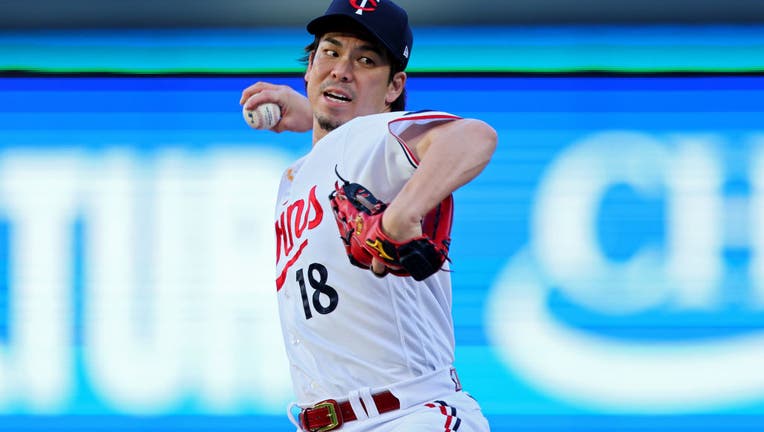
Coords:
363,225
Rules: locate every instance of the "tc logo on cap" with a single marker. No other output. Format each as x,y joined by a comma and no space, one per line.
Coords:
361,8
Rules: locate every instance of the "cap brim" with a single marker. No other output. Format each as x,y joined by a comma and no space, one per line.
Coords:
334,22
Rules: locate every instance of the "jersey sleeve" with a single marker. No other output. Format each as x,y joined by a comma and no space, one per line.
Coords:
398,125
375,155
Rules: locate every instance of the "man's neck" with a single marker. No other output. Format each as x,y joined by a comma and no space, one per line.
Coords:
318,134
321,129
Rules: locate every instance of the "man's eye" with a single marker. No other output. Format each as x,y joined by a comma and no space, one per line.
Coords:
366,61
330,53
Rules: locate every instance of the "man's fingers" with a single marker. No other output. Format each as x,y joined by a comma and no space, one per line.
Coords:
296,112
258,98
249,91
254,89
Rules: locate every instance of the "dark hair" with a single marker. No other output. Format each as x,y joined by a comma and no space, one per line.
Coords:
398,104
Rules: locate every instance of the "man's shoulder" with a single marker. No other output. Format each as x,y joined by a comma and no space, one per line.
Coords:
383,120
380,118
372,125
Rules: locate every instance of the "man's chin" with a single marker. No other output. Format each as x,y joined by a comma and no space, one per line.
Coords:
329,123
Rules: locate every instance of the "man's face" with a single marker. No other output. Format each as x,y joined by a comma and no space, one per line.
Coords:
348,77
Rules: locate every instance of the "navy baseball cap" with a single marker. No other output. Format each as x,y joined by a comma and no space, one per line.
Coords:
385,20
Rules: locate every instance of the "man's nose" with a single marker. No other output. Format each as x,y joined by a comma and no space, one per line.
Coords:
343,70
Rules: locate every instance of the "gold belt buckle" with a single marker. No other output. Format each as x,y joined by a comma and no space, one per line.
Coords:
332,406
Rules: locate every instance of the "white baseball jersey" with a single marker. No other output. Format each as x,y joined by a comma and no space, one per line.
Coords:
344,328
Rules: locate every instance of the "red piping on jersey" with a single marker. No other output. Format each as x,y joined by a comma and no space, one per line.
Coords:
282,277
406,149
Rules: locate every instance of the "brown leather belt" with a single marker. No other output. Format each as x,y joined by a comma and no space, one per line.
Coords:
329,414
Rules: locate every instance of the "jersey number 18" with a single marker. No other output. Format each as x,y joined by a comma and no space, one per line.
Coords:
319,287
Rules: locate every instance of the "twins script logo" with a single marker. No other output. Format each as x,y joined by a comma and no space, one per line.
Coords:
364,6
298,218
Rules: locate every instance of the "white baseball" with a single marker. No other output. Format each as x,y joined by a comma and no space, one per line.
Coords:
264,116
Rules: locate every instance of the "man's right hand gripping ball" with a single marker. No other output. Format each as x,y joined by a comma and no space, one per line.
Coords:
359,218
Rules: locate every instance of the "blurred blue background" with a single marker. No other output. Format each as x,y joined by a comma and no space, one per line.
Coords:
607,263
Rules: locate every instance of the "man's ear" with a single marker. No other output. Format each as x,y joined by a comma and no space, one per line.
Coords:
395,88
310,64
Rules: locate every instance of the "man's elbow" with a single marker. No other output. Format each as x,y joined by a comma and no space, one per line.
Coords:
464,136
483,137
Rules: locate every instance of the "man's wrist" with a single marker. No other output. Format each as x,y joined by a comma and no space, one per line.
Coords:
401,225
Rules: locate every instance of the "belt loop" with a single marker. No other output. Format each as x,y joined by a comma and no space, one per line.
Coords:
355,403
455,379
291,417
368,402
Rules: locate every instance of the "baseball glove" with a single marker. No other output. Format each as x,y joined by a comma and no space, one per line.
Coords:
359,218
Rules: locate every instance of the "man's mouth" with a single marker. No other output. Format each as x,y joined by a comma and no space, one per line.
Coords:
337,97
